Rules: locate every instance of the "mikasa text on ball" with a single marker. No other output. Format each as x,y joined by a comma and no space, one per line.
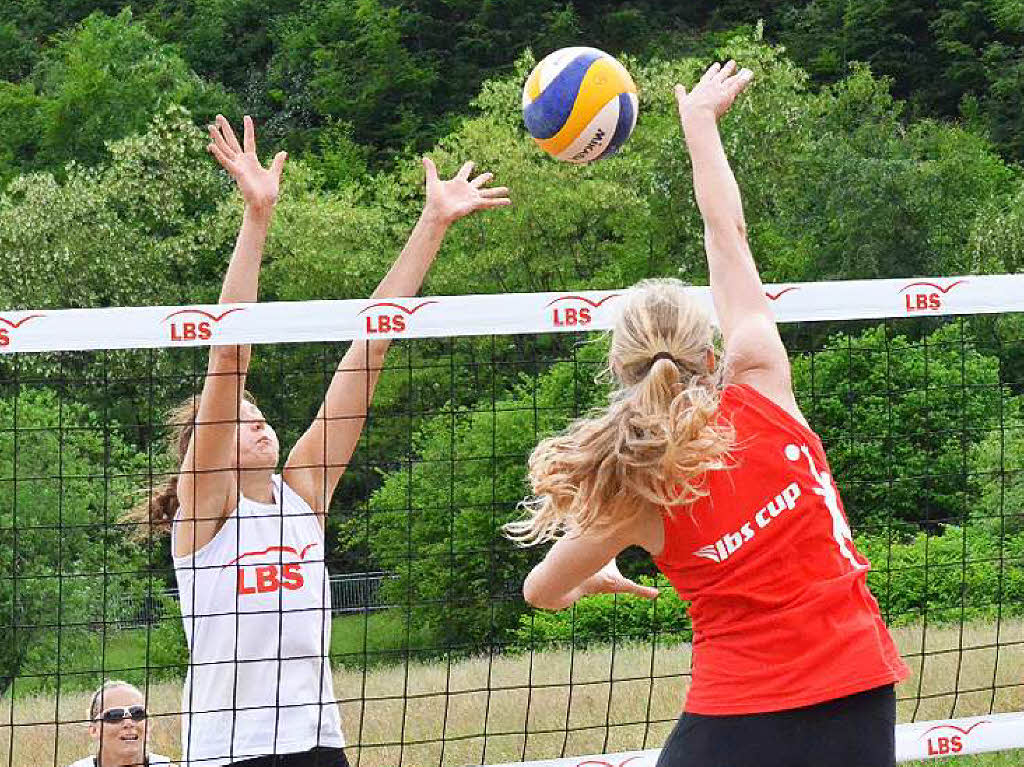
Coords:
579,104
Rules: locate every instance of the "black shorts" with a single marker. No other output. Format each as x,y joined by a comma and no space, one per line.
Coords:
856,731
318,757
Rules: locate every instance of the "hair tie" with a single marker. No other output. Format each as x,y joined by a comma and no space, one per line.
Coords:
663,356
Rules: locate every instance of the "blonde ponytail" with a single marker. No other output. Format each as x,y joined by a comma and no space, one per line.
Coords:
659,434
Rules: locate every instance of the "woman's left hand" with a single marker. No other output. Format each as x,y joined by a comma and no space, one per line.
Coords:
608,580
716,91
448,201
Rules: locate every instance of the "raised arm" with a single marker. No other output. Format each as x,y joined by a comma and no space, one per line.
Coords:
208,485
321,455
754,351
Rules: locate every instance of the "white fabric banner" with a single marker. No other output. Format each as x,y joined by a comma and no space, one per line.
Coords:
501,314
921,740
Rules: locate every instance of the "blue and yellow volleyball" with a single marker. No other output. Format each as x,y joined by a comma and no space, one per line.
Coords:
580,104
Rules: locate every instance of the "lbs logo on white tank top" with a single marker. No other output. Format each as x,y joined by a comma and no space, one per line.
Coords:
256,608
270,578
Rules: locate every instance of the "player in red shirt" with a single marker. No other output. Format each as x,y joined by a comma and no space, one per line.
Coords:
714,470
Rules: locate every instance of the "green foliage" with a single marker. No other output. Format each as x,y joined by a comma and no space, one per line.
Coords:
961,573
66,478
227,41
124,233
98,82
402,71
21,126
384,638
349,63
435,523
399,71
997,464
83,657
997,238
943,57
602,618
964,573
898,418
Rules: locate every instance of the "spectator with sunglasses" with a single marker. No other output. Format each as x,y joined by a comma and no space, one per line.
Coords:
117,723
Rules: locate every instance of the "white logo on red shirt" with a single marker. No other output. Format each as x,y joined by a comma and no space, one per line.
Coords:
730,543
827,490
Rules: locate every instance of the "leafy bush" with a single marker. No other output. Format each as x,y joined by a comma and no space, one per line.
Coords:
898,417
76,657
65,476
606,617
966,572
997,466
960,574
435,522
103,80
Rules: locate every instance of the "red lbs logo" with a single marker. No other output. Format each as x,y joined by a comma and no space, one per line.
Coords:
776,296
267,579
577,311
195,328
5,332
602,763
926,296
951,742
393,319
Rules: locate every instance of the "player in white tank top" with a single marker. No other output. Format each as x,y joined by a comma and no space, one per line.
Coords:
248,543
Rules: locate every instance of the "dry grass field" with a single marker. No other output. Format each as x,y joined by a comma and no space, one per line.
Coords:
482,711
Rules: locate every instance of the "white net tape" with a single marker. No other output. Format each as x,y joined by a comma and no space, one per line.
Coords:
443,316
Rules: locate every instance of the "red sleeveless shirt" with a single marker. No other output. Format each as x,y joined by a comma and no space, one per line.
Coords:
782,616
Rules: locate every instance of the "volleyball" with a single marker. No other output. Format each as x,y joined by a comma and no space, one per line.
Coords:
579,104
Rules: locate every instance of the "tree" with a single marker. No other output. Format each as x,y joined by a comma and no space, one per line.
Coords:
21,126
997,463
899,418
104,80
127,232
66,476
435,522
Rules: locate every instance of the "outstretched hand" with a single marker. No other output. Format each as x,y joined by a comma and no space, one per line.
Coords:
459,196
608,580
716,91
259,186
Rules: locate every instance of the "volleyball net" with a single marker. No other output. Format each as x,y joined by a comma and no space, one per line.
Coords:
916,387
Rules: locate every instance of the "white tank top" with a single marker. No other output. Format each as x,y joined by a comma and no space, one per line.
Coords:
256,605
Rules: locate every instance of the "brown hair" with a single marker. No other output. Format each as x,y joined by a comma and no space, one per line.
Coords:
656,438
157,511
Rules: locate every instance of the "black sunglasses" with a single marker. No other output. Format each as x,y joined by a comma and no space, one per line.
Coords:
119,714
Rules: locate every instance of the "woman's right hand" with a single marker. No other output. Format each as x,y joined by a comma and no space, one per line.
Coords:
715,93
259,186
